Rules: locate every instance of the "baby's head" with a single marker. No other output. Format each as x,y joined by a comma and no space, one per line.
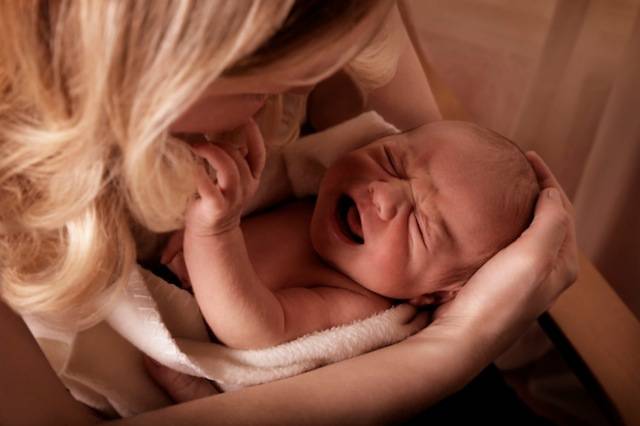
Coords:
414,215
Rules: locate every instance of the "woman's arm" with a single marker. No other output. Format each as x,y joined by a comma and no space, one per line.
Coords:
384,386
30,391
406,100
395,383
392,384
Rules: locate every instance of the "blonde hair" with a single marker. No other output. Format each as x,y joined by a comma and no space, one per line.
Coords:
87,92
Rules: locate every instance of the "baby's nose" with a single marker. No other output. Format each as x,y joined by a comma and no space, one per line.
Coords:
386,197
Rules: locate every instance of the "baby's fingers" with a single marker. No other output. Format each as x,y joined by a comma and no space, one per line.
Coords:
173,247
206,188
245,176
225,167
256,155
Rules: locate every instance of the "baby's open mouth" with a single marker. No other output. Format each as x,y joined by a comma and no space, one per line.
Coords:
349,219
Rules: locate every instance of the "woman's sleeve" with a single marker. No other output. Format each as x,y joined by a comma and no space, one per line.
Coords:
30,391
386,77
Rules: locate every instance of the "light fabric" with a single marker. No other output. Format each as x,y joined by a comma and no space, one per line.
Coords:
103,366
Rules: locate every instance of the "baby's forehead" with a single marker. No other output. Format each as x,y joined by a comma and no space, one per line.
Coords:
448,140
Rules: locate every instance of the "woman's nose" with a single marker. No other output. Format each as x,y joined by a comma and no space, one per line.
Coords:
301,90
387,198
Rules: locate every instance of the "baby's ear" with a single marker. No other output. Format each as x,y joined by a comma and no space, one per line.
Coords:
437,297
424,300
449,292
446,295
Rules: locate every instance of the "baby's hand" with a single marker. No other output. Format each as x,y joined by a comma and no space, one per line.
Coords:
219,201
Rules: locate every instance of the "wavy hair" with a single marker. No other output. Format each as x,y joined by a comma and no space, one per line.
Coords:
88,90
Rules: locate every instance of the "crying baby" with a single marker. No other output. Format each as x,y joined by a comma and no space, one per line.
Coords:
409,217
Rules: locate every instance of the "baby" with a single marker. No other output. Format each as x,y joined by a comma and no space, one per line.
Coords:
408,217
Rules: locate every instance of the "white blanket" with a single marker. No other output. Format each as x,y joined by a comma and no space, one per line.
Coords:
103,366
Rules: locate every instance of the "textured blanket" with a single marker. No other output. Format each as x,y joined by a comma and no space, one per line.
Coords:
103,367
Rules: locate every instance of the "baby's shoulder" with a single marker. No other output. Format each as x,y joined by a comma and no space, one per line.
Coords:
337,304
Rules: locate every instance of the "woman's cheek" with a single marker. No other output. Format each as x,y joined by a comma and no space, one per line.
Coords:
217,114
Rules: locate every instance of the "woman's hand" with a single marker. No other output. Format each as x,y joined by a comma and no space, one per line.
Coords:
521,281
180,387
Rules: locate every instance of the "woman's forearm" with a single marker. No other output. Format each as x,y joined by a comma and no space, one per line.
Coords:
407,100
30,391
382,387
396,382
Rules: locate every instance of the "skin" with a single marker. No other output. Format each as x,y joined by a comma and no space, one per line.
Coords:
490,312
229,102
448,352
414,193
249,298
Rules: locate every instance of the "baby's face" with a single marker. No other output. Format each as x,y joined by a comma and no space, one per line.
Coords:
410,216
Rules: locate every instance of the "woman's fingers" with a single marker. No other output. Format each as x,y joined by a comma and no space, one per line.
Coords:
180,387
569,250
542,240
546,179
522,280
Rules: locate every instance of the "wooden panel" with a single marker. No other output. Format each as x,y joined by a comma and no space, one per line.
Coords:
591,317
448,103
606,335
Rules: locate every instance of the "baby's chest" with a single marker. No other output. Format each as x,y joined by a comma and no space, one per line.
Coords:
294,264
311,288
282,255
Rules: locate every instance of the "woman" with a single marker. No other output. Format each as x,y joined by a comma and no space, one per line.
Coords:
98,99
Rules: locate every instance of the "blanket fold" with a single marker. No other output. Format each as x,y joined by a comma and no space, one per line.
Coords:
102,366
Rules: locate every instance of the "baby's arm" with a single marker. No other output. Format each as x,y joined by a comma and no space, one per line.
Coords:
231,297
240,309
